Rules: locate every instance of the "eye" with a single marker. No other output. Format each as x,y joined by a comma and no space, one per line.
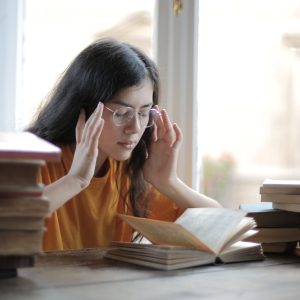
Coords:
122,112
144,113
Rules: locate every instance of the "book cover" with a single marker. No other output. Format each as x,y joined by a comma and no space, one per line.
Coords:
281,198
275,235
266,216
280,186
25,145
281,183
293,207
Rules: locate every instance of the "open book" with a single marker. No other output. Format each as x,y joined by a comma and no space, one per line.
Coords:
199,236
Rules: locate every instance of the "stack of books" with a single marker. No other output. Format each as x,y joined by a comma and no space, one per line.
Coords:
23,208
282,193
277,215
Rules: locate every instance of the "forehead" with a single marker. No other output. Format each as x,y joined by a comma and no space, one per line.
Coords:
136,95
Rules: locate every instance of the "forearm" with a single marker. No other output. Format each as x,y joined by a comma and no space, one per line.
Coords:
62,190
186,197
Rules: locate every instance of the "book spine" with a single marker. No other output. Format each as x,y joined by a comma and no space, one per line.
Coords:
280,198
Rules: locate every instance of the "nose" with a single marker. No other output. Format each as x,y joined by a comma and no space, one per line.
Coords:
134,124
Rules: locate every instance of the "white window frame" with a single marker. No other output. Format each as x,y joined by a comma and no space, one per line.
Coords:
11,39
175,50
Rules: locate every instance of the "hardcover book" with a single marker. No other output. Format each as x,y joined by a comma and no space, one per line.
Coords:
266,216
25,145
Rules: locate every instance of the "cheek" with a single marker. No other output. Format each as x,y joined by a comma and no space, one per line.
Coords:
108,135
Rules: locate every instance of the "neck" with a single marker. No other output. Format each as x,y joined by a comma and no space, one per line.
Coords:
102,164
103,169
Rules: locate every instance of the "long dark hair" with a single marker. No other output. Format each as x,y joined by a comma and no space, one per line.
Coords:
96,75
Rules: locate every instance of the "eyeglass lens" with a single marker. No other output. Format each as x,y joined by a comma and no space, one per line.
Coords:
124,115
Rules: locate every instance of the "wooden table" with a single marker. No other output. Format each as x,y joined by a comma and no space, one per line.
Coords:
85,275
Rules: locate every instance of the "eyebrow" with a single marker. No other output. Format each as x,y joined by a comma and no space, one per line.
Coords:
123,103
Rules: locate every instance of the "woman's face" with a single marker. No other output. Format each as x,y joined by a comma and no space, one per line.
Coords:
118,142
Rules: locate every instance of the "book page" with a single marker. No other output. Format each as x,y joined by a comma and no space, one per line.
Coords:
242,251
213,226
164,257
165,233
244,230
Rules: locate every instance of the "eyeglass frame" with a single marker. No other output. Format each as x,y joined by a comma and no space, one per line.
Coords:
136,113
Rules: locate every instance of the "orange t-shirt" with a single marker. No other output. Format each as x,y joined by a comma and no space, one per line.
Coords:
89,219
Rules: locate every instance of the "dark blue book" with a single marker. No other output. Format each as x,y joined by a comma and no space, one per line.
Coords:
267,216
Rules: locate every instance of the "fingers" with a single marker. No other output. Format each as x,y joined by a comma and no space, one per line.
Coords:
80,126
165,129
154,133
178,139
91,129
169,131
160,131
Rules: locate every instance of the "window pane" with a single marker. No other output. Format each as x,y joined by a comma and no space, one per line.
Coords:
248,95
57,30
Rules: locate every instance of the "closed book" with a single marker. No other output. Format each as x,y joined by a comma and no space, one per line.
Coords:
280,198
275,235
279,247
20,242
19,175
25,145
24,207
280,186
22,223
293,207
266,216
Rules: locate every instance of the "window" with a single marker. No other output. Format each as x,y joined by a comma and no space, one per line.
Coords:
57,30
248,85
52,32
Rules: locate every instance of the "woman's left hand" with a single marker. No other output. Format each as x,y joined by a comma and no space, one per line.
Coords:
161,164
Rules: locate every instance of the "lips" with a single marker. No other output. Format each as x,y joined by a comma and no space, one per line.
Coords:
127,145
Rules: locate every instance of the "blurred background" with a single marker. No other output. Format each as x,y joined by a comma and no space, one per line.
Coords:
235,62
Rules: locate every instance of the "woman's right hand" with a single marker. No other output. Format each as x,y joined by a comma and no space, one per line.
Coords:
86,151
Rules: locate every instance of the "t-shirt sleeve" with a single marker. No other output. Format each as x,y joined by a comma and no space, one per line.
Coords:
162,208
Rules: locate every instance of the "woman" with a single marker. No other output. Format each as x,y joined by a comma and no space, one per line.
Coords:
119,150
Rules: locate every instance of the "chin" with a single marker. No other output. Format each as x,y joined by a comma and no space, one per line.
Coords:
121,157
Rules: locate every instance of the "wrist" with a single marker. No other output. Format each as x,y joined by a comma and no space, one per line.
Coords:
170,187
76,183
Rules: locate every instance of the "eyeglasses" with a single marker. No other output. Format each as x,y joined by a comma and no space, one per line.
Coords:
124,115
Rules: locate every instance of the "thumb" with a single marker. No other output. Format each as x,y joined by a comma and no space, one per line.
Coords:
80,126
